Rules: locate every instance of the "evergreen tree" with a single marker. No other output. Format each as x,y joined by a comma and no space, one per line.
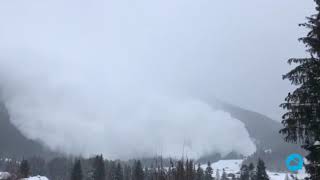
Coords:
180,173
24,169
189,170
38,166
12,167
138,171
147,174
302,118
199,173
261,171
224,175
111,168
171,171
119,172
99,168
58,168
76,173
244,172
127,172
208,172
251,172
217,175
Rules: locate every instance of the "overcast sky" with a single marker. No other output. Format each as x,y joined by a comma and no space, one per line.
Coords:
236,50
107,51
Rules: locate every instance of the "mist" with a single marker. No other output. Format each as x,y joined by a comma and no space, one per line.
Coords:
128,79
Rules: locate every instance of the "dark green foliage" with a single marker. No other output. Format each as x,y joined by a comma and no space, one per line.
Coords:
199,173
138,173
244,172
302,119
99,168
12,167
119,172
224,175
171,171
190,174
24,169
58,168
37,165
252,173
111,168
261,171
76,173
127,172
180,171
208,172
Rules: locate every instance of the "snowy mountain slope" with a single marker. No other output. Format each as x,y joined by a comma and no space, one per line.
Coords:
13,144
264,131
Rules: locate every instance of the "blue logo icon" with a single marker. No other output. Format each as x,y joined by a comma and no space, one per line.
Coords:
294,162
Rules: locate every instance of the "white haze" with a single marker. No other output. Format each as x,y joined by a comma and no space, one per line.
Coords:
87,111
127,78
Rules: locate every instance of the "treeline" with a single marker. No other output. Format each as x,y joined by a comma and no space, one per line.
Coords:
249,172
97,168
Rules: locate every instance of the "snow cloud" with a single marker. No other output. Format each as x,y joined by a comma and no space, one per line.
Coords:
85,111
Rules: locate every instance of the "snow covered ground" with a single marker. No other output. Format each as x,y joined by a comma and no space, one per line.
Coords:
233,166
230,166
4,175
36,178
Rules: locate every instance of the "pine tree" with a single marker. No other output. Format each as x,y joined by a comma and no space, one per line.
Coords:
189,170
244,172
127,172
24,169
217,175
302,119
180,172
224,175
38,166
111,168
138,171
261,171
208,172
171,171
99,168
76,173
119,172
251,172
199,173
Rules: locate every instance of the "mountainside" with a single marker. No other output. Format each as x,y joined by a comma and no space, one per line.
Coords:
264,131
13,144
